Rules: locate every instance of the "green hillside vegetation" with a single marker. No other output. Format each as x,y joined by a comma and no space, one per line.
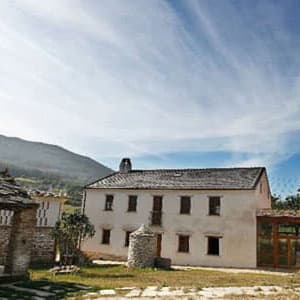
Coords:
49,167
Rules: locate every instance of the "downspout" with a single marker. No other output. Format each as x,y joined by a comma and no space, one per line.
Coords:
82,212
83,201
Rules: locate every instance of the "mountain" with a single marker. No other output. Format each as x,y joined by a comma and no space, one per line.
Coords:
40,160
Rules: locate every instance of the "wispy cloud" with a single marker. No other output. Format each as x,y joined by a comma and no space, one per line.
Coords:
114,78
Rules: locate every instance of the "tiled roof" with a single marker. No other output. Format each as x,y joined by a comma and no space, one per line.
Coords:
194,179
47,194
12,193
277,213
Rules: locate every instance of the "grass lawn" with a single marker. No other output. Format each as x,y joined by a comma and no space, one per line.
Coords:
106,277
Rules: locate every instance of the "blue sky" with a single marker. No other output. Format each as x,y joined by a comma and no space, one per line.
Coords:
168,83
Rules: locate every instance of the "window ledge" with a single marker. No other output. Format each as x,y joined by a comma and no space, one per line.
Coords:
213,255
180,252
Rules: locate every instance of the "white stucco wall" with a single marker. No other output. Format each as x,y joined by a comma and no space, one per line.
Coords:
236,225
49,211
263,193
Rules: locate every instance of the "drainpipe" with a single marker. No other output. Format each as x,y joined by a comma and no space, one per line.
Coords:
82,212
83,201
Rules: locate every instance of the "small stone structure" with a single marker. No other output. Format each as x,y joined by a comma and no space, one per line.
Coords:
18,241
142,248
43,244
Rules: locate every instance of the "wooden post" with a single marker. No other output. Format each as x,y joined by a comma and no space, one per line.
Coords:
275,244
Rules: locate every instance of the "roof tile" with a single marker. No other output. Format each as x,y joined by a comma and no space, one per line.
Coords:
196,179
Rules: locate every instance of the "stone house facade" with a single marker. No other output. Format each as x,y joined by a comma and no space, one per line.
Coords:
50,207
16,243
201,217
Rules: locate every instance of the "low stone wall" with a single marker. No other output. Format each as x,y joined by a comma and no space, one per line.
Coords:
43,249
42,252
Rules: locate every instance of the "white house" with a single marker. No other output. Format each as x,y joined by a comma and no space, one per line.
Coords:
202,217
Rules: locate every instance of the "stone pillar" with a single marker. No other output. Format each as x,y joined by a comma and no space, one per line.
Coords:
22,234
142,248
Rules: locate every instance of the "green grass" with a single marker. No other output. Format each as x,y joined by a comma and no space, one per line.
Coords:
94,278
106,277
26,180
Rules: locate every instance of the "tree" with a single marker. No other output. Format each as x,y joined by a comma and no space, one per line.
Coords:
290,202
69,232
276,202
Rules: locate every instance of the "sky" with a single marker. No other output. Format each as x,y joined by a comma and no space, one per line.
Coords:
168,83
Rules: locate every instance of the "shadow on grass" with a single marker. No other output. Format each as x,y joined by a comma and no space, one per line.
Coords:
44,289
105,276
106,266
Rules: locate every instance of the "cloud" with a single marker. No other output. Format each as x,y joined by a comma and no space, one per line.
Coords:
115,78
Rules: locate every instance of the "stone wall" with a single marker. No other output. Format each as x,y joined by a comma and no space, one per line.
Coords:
4,241
43,247
42,252
20,242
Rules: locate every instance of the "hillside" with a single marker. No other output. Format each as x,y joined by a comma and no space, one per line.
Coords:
47,164
45,158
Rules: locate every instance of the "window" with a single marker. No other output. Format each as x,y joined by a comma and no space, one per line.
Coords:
156,214
213,245
185,205
183,243
132,202
127,234
157,203
214,206
106,236
109,202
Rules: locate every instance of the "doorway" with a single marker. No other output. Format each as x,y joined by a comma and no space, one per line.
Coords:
158,244
278,243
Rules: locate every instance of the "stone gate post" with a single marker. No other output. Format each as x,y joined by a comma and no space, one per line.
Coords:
22,233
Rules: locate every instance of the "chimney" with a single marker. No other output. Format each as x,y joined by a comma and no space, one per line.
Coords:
125,165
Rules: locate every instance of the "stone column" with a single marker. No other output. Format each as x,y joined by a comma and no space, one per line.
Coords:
142,248
22,233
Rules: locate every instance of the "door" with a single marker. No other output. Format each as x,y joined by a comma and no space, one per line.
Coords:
289,252
158,246
283,252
